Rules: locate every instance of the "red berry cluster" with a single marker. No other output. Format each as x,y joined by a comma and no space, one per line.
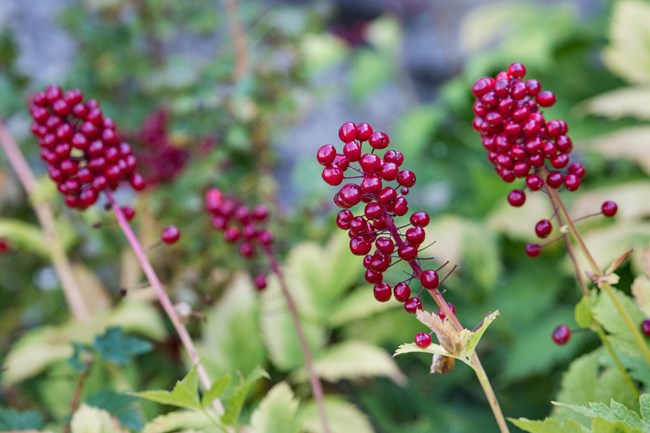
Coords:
84,153
379,182
240,225
158,159
520,142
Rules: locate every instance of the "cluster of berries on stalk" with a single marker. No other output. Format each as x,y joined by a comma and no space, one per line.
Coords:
81,147
241,225
522,144
381,185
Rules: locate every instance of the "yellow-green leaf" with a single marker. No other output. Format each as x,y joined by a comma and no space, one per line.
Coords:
88,419
184,395
641,292
277,412
177,421
629,101
24,236
629,143
343,417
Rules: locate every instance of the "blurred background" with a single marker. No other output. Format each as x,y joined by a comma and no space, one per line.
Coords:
240,95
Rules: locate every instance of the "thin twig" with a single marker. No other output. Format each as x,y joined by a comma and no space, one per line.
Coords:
166,303
78,391
316,387
71,290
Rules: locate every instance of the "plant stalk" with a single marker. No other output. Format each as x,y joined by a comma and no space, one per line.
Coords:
316,387
564,216
476,362
71,290
166,303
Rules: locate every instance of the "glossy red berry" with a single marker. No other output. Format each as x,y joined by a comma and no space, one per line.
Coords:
561,334
423,339
429,279
517,197
326,154
533,250
420,219
348,132
546,98
402,292
382,292
332,175
406,178
609,208
128,212
441,312
260,282
543,228
412,305
170,234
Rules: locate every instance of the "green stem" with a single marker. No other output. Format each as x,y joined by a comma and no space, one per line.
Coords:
489,393
564,216
619,365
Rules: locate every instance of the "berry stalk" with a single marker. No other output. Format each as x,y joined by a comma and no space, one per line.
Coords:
564,216
166,303
316,386
71,289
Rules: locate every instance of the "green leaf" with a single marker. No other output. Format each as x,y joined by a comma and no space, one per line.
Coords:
177,421
629,35
607,315
583,315
232,338
236,400
115,347
628,143
641,292
355,360
432,349
11,419
614,412
415,127
549,425
600,425
89,419
277,412
217,388
122,406
24,236
356,305
185,393
478,332
343,417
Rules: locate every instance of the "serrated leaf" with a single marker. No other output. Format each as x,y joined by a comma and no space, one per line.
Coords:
236,400
175,421
122,406
644,403
628,143
355,360
217,388
432,349
628,35
607,315
478,332
114,346
343,417
232,338
89,419
629,101
184,395
277,412
614,412
600,425
641,293
358,304
11,419
549,425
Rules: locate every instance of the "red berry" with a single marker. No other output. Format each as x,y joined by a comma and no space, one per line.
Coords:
407,252
348,132
429,279
412,305
326,154
402,292
442,314
533,250
534,182
360,246
260,282
128,212
352,151
379,140
332,175
572,182
373,277
343,219
382,292
350,194
420,219
516,197
645,327
546,98
170,234
554,179
423,339
400,207
543,228
415,235
516,70
406,178
370,163
4,246
561,334
609,208
364,131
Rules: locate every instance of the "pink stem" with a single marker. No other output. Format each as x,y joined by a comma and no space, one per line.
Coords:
166,303
316,387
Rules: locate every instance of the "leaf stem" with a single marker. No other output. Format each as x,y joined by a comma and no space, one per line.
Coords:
475,361
316,387
71,290
166,303
563,216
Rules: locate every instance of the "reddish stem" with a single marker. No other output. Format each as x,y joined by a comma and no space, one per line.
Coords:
166,303
316,387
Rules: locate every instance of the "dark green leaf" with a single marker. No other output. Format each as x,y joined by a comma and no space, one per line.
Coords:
11,419
115,347
122,406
